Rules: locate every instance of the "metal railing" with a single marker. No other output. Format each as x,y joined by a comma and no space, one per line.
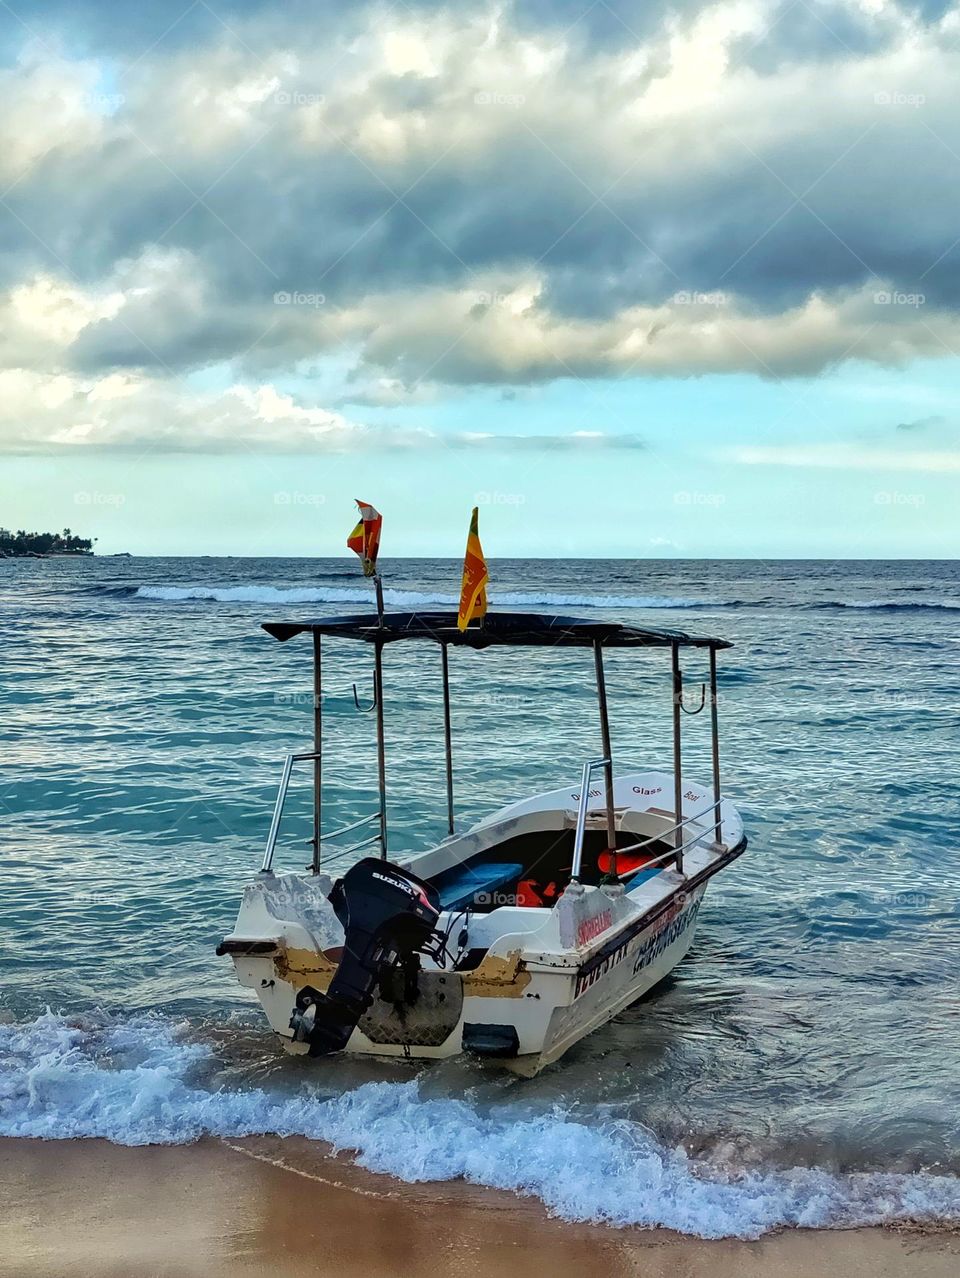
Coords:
588,769
675,829
268,854
674,853
342,853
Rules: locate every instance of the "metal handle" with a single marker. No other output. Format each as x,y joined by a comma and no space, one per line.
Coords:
277,814
588,769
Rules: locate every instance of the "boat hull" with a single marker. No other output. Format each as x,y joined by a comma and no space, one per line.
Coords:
542,977
537,1006
626,969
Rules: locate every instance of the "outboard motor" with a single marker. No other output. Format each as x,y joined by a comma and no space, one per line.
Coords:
388,916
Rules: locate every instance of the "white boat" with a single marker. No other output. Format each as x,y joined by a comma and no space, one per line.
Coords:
515,938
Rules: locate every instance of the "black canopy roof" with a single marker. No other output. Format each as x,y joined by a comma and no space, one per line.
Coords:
520,629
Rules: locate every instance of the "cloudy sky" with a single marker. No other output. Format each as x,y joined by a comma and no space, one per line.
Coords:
637,278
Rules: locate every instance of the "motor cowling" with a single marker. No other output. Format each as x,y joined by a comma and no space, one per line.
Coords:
389,916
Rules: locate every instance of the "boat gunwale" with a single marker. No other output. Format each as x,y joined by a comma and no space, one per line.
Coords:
607,944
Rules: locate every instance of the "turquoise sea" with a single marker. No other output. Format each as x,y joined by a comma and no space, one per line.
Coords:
802,1065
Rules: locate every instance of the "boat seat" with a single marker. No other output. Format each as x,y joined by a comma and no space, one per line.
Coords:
641,877
459,886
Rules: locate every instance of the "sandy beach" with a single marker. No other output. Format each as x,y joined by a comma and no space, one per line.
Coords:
280,1208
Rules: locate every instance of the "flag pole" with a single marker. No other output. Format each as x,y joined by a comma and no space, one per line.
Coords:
381,745
318,756
608,756
378,587
447,739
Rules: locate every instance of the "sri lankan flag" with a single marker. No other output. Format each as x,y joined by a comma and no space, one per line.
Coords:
365,538
473,592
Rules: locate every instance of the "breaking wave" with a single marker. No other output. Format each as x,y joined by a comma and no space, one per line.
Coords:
402,598
140,1082
890,605
362,595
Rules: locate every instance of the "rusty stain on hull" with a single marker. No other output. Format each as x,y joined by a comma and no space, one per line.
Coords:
497,977
305,967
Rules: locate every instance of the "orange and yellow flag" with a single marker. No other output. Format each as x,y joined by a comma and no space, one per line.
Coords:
473,593
365,538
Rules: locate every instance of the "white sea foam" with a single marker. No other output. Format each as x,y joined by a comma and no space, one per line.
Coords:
134,1083
896,605
402,598
504,599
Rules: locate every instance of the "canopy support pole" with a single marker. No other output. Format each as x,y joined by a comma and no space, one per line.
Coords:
715,743
381,755
677,757
448,744
317,747
607,754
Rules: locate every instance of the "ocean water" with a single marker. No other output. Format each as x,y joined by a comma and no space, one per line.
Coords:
800,1067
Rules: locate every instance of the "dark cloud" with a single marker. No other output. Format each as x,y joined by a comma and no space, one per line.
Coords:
610,24
276,220
929,11
822,32
123,31
403,181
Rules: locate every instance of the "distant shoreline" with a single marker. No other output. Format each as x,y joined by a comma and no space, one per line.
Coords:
46,554
43,545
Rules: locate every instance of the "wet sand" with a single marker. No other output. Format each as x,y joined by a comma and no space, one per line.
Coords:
275,1207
